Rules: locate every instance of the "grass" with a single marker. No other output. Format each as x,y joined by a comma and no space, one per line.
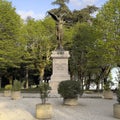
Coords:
2,89
29,90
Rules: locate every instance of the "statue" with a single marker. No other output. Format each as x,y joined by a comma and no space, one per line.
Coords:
59,29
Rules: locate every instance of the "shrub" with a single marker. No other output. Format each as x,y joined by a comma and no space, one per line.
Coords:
69,89
8,87
44,91
107,85
16,85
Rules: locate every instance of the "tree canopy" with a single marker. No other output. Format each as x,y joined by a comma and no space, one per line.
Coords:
10,24
93,42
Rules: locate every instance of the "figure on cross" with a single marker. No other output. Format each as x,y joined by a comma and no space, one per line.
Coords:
59,29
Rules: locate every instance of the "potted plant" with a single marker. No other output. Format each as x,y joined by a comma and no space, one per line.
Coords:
69,90
107,93
7,91
43,109
16,90
116,106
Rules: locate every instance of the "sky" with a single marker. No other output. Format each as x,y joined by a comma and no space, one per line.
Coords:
38,8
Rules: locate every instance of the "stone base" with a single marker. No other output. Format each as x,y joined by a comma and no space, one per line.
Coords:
44,111
16,95
7,93
108,94
116,110
54,87
71,102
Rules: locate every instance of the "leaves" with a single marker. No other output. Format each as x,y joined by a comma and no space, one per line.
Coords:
10,25
109,24
38,35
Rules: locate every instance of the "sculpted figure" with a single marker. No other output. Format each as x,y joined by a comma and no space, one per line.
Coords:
59,29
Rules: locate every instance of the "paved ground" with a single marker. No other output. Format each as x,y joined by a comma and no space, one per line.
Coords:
88,108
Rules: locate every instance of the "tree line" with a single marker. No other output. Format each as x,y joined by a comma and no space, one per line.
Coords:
93,43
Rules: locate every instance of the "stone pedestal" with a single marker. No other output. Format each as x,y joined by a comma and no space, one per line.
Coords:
59,69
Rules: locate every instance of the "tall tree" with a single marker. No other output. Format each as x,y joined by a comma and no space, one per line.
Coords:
108,23
84,15
38,44
62,6
10,24
62,10
84,38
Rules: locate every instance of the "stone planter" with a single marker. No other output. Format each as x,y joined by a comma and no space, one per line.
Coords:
7,93
116,110
16,95
44,111
71,101
108,94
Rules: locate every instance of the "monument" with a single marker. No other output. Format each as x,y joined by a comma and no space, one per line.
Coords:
59,57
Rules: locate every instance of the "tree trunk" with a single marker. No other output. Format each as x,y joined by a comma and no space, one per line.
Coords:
97,84
0,81
26,77
41,74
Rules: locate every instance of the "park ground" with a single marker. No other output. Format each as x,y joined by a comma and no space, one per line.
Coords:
90,107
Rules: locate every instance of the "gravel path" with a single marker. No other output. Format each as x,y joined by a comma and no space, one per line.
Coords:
88,108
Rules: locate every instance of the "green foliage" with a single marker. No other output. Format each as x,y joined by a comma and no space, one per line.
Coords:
44,91
108,22
9,21
69,89
104,54
10,24
60,2
8,87
68,38
107,85
72,17
83,40
38,45
84,15
63,9
16,85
